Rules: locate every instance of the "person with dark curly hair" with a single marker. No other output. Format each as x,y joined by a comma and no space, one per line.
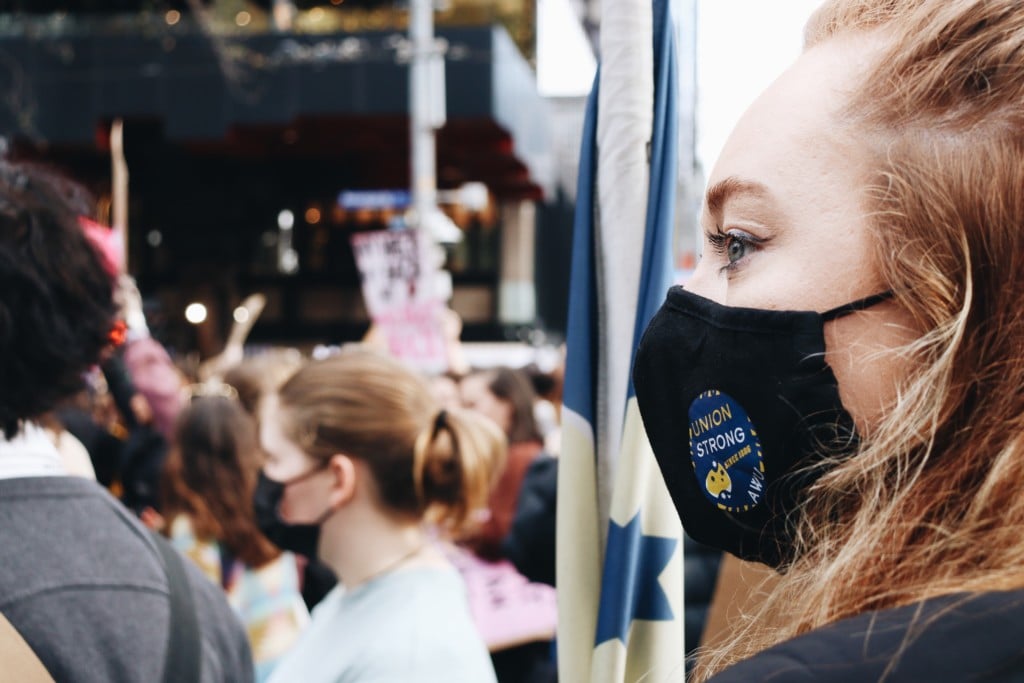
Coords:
91,592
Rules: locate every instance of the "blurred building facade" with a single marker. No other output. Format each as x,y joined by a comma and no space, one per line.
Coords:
237,112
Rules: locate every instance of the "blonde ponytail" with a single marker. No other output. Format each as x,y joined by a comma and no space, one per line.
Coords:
456,461
437,466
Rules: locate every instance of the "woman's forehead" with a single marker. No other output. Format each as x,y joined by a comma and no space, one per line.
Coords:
799,118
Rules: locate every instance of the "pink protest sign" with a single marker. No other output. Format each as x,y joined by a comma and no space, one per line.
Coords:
391,266
413,334
507,609
399,291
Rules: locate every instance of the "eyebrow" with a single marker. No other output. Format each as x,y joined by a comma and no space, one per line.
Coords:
727,188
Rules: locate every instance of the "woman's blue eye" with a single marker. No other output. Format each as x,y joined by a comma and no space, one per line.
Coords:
736,249
733,246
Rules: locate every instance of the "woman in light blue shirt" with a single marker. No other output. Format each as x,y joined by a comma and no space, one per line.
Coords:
359,459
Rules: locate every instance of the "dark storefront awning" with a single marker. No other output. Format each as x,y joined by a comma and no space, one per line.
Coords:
340,96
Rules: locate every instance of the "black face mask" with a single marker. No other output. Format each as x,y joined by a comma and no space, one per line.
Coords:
298,538
742,411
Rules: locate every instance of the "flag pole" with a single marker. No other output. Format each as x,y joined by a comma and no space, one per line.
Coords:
119,189
625,623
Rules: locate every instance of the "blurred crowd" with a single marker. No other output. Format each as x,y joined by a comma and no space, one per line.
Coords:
184,454
361,520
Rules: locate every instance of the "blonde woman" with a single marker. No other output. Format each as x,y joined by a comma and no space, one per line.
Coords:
359,457
837,391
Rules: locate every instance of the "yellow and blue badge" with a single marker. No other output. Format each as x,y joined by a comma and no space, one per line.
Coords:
725,452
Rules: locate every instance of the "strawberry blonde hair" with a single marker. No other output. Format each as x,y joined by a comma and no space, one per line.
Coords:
931,504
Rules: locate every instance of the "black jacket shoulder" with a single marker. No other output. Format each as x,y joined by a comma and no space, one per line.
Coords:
963,637
530,544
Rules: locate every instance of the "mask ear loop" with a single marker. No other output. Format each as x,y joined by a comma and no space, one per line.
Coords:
858,305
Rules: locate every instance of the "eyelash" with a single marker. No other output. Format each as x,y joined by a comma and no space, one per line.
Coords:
720,242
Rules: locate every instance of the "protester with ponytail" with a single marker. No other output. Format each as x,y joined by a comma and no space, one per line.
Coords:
361,465
836,392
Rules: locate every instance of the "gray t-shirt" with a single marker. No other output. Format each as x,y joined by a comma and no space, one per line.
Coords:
83,583
410,626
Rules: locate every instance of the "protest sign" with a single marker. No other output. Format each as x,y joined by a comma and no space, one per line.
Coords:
401,296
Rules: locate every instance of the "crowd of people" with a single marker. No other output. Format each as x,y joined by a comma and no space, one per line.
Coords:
283,505
842,374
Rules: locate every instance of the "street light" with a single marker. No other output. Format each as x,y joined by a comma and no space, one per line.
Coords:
437,224
195,313
471,196
287,257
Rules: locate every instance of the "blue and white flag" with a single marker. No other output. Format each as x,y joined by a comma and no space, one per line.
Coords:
620,571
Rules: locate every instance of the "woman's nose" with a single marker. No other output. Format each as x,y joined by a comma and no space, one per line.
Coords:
707,282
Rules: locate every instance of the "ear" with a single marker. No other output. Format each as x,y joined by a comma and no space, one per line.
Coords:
343,469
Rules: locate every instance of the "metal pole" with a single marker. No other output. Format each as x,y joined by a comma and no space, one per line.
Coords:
283,14
421,130
119,188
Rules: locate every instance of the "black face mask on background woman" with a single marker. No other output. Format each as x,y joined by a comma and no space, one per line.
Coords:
298,538
742,412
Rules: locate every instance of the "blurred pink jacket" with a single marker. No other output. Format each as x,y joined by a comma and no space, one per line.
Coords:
157,378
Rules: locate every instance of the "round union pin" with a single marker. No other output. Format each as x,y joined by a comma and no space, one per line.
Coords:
726,453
